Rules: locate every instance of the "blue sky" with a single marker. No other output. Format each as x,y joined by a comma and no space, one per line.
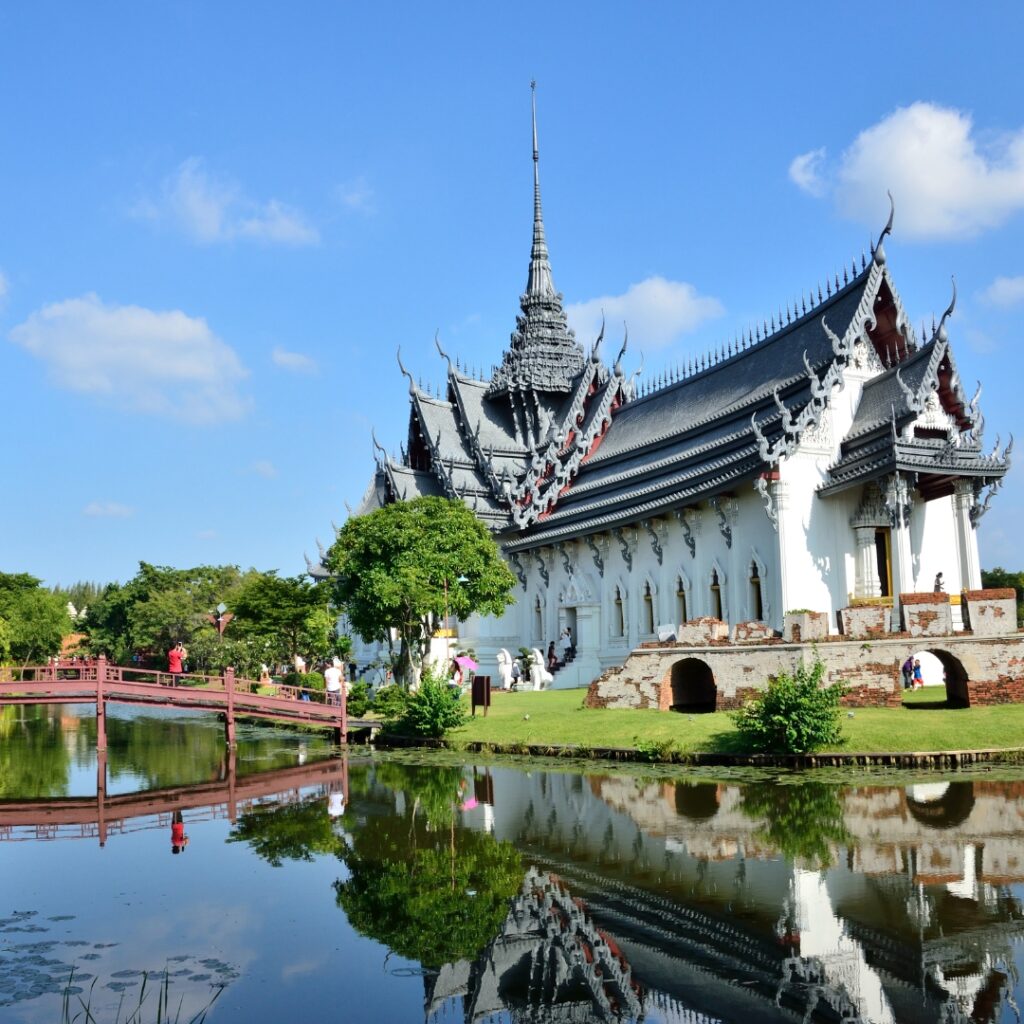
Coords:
218,222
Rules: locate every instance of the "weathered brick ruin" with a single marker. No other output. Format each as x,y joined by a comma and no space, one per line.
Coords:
700,671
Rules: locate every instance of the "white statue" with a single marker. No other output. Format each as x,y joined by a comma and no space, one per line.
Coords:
505,669
539,675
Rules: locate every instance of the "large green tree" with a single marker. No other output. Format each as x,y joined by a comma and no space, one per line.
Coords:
35,621
404,566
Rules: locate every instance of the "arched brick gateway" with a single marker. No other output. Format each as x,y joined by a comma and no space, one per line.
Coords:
941,805
957,693
692,686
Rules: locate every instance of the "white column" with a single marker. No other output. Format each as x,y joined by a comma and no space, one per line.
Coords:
966,536
780,492
898,500
867,582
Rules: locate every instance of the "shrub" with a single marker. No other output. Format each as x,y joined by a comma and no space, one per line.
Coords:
310,681
433,709
358,702
795,715
390,702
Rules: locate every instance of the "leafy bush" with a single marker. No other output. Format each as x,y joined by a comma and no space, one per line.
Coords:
358,698
795,715
433,709
310,681
390,702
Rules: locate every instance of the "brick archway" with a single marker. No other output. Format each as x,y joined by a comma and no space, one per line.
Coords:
957,691
692,687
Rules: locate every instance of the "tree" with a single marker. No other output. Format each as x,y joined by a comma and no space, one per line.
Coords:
408,564
35,620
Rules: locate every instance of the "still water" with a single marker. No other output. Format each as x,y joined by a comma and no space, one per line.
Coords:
282,883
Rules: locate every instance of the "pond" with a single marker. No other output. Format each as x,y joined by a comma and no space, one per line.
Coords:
283,882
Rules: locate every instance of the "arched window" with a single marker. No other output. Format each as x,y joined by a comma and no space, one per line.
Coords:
756,598
538,620
618,615
681,615
716,595
648,619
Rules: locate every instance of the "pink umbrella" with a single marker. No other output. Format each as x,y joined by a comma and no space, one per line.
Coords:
466,663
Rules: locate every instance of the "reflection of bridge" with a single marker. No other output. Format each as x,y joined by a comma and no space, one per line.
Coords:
96,817
98,682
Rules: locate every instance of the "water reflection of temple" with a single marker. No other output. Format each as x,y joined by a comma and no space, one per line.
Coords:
912,921
550,962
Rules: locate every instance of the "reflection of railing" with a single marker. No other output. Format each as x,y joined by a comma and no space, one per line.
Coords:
95,681
100,816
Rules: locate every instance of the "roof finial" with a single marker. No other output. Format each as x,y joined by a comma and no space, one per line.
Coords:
878,254
444,355
943,336
540,282
622,351
405,372
597,344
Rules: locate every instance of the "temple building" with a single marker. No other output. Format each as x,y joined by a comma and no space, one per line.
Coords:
830,457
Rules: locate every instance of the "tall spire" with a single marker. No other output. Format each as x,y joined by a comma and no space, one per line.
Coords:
540,282
543,355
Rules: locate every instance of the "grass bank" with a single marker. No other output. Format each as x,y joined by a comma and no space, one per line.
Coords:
558,718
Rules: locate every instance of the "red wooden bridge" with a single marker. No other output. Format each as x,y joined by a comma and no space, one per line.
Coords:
98,682
100,816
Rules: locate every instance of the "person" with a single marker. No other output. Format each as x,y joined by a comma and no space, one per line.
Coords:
175,657
565,640
908,672
517,674
572,642
178,838
552,657
332,681
299,664
918,675
940,584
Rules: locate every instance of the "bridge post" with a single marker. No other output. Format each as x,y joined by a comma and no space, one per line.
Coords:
229,717
101,704
101,795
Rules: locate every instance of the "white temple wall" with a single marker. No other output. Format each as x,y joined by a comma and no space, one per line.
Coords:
933,542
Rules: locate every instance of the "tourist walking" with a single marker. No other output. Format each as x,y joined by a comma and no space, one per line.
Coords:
918,675
517,673
552,657
565,640
908,672
332,681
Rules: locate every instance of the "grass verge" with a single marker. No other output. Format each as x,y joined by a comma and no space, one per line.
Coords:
558,718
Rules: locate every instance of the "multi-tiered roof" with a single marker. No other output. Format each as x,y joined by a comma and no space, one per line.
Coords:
558,445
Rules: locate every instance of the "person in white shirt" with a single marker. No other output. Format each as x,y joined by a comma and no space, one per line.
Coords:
332,678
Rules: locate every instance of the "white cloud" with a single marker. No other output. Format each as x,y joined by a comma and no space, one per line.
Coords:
657,312
163,363
4,288
1004,292
108,510
294,361
356,195
264,468
805,171
947,181
209,210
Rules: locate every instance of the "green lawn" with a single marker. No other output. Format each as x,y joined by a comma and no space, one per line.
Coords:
559,718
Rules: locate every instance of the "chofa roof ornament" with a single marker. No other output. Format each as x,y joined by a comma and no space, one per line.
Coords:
878,252
622,351
405,372
941,333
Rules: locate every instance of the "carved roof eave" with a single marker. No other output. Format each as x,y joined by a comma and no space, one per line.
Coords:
538,492
549,533
923,458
